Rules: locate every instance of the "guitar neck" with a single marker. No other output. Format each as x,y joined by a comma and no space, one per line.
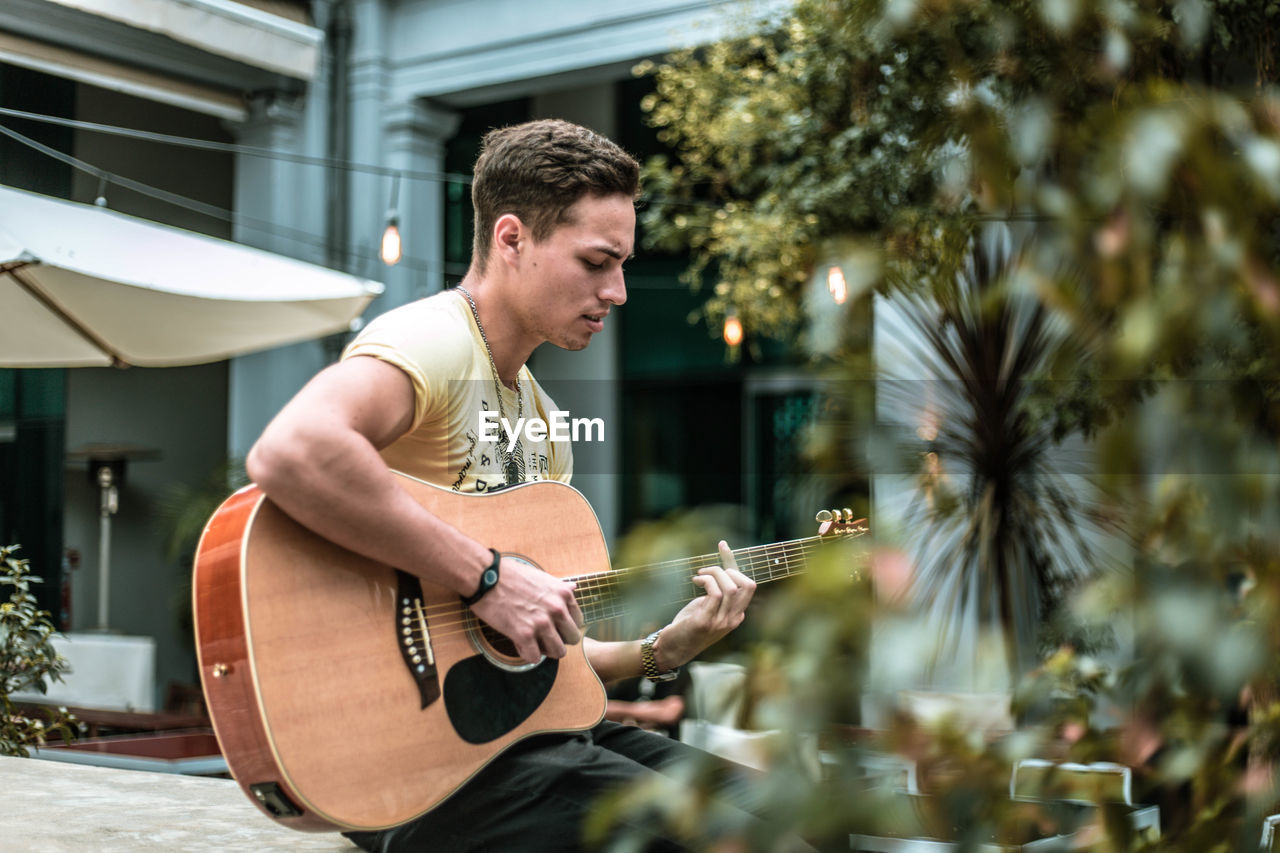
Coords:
600,596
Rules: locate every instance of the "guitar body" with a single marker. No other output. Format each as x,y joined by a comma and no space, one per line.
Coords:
346,695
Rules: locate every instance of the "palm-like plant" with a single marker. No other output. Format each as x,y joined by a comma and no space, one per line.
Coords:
181,513
998,531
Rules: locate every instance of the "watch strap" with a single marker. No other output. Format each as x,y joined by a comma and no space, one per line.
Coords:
649,663
488,580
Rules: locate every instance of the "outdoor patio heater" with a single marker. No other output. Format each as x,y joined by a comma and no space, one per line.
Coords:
107,466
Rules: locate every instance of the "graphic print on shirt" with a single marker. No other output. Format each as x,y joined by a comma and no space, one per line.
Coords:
493,465
472,438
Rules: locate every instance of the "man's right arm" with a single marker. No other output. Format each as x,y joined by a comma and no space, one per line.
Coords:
318,461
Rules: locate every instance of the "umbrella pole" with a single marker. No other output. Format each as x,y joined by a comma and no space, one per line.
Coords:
108,504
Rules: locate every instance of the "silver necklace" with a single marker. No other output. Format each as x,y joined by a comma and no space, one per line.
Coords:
512,462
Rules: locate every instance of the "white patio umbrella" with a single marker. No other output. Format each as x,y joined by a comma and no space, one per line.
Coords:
81,286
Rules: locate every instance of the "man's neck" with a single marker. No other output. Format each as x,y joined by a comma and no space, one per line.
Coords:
501,329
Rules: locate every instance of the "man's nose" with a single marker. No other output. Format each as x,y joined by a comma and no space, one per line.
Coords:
615,290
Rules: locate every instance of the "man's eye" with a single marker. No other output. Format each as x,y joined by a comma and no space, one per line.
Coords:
592,266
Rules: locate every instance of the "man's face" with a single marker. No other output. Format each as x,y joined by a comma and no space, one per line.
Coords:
571,279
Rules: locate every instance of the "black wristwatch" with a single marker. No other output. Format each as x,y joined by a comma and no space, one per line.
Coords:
488,580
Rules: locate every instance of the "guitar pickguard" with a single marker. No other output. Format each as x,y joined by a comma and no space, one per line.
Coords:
485,702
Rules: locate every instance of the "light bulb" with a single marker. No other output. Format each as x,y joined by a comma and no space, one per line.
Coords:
732,330
391,243
837,286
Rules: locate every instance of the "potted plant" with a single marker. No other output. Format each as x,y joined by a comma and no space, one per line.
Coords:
28,660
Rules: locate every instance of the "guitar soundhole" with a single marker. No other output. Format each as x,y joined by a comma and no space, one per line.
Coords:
499,642
496,647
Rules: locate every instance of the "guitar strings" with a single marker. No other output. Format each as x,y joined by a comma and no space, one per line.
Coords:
773,557
444,612
769,555
452,618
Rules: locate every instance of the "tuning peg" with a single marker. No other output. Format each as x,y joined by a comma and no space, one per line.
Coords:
822,516
848,515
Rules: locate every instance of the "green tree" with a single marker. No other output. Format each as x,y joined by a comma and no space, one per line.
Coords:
1140,140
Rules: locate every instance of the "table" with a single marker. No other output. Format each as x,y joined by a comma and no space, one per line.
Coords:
94,720
194,753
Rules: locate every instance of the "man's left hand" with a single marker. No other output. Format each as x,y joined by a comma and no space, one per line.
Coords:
709,617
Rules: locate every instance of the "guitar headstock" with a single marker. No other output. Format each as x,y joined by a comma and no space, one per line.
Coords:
840,522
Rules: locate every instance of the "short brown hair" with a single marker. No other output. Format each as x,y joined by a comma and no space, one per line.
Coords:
537,171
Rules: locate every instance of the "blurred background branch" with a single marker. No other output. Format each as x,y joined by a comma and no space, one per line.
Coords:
1070,208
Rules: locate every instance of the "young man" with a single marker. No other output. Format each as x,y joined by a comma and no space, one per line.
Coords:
555,220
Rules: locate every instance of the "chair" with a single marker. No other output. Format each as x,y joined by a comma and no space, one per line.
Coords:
1096,783
716,699
1270,838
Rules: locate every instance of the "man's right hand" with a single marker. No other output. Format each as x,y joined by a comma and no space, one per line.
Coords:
533,609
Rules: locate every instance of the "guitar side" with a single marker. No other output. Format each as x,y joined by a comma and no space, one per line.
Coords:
318,711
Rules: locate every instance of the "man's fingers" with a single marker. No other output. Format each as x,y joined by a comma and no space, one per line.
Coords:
725,584
527,649
569,630
536,611
569,622
726,556
552,646
575,613
723,581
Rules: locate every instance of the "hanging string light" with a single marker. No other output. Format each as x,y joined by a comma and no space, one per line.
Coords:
241,219
391,245
732,329
836,285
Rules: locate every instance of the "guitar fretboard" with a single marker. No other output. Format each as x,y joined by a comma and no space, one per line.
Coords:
600,596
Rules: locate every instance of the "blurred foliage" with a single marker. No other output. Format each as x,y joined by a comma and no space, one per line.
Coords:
181,513
183,509
1139,142
28,660
650,550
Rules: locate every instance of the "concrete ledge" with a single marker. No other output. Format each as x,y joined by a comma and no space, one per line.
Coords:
67,808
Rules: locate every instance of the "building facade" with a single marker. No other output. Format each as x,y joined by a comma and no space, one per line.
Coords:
321,116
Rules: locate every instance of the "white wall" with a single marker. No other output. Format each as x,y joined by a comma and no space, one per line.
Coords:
181,412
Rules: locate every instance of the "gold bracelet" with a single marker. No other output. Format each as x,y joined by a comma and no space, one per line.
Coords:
649,663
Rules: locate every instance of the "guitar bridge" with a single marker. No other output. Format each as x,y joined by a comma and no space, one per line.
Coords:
413,636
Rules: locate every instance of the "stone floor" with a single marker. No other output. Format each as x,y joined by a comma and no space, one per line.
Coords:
51,807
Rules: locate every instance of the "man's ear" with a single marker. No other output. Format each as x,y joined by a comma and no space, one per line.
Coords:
509,236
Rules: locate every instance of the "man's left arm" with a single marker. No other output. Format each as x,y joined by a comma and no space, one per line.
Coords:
700,624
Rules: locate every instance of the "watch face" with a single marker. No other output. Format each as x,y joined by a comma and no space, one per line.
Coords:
490,577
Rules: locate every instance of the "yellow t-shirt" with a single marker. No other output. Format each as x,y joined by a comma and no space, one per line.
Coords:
452,443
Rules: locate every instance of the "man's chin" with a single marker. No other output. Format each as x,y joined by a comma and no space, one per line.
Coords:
572,344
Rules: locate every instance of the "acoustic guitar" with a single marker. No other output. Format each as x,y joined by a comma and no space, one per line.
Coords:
347,695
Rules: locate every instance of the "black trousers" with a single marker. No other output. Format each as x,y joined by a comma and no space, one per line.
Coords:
537,795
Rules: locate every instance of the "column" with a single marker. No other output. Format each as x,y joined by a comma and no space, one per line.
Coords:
415,135
369,193
279,206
